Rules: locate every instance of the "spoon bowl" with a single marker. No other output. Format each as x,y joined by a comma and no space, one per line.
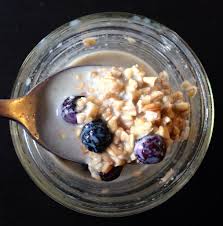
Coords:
40,114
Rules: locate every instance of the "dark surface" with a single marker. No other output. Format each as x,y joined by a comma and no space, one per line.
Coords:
24,23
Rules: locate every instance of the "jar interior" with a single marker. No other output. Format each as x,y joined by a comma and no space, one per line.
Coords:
137,183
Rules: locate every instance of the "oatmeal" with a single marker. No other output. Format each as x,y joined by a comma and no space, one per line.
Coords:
127,115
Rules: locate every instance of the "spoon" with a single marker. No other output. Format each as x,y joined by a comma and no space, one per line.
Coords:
30,109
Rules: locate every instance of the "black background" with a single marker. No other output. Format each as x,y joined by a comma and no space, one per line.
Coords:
24,23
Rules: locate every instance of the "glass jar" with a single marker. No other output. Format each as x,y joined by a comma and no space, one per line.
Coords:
68,183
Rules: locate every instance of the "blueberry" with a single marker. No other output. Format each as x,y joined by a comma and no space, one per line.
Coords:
96,136
68,111
112,174
150,149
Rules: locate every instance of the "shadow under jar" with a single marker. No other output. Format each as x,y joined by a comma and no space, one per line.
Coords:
68,183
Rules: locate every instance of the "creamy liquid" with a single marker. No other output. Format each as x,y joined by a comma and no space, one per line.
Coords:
59,135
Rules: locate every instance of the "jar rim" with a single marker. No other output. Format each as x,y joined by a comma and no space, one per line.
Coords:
147,24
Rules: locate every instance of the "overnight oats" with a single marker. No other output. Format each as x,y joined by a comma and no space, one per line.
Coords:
131,112
117,115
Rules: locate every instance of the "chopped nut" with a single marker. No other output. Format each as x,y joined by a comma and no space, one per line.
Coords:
62,135
163,75
168,143
137,173
139,106
129,108
167,100
78,132
88,42
107,115
152,107
132,85
145,91
94,100
164,132
185,85
176,130
166,86
133,96
150,80
128,73
179,122
167,91
107,87
138,73
152,116
106,167
112,124
166,120
177,96
117,104
80,118
116,72
81,85
80,104
185,133
91,90
88,119
156,96
124,136
119,132
77,77
94,74
116,139
91,110
131,140
127,120
168,111
113,150
192,91
146,99
133,157
181,106
130,40
141,128
127,148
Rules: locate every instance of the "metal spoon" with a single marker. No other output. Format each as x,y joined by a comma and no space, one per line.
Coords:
26,110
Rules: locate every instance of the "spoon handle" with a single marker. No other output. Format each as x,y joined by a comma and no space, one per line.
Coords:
22,110
8,107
